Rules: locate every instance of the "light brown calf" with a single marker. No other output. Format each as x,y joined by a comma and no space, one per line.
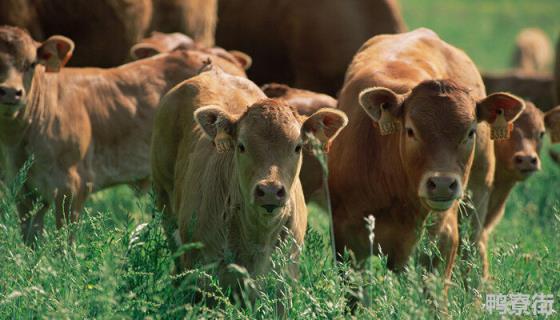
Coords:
410,144
87,128
227,175
533,51
516,160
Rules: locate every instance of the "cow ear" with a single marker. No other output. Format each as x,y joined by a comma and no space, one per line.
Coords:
244,60
325,125
218,126
500,110
384,106
552,123
55,52
143,50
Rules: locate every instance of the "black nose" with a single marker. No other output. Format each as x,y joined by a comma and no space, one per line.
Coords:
10,95
442,188
270,195
526,163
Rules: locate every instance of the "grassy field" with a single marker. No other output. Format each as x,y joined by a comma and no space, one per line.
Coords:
103,276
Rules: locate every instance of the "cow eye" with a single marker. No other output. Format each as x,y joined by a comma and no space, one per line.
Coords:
410,132
472,133
298,148
241,148
541,134
31,66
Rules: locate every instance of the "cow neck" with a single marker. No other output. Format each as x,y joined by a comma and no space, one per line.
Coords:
502,186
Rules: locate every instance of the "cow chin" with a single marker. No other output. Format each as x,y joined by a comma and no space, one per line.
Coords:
438,205
11,110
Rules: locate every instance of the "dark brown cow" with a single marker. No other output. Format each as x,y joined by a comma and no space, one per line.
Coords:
87,128
312,43
197,18
409,146
535,87
227,175
516,160
103,30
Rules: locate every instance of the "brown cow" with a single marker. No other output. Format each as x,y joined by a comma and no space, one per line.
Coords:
197,18
103,30
533,51
409,146
516,159
313,43
227,176
87,128
535,87
557,72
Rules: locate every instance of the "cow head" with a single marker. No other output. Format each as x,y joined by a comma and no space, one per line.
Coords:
437,123
19,56
267,141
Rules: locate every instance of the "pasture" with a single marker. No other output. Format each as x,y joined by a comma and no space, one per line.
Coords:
112,272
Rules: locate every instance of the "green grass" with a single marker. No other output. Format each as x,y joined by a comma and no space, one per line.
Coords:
102,277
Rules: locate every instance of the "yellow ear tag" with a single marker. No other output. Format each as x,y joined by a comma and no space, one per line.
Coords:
500,129
223,141
388,124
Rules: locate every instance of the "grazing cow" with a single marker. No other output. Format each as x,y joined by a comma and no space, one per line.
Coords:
533,51
197,18
516,159
314,43
535,87
159,42
306,102
103,30
227,175
410,144
87,128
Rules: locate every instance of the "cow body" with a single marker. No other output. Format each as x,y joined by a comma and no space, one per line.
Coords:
396,77
210,195
87,128
315,43
533,51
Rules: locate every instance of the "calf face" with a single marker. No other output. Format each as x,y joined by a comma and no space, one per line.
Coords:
19,56
437,121
267,140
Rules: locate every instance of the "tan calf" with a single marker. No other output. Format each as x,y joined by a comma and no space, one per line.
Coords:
533,51
227,175
88,129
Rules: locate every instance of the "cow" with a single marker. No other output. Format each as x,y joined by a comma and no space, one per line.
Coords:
409,148
225,165
314,43
87,128
197,18
103,30
535,87
516,159
159,42
533,51
553,116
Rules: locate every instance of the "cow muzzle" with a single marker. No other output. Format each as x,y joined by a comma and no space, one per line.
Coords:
526,164
439,191
11,99
270,195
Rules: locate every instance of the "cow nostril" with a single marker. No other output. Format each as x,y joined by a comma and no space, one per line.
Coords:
533,161
431,185
259,192
2,92
453,186
518,160
281,193
19,93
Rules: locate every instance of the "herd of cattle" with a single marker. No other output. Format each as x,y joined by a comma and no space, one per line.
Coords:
412,132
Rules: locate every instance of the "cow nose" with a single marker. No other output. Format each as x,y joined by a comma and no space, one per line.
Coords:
442,188
526,162
270,195
10,95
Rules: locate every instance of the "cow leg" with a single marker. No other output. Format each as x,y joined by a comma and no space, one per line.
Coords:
31,224
69,202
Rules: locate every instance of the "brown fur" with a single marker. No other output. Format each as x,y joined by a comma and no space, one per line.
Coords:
196,18
535,87
533,51
557,72
314,43
526,140
384,175
87,128
205,194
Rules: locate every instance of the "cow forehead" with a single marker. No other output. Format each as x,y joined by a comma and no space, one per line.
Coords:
531,119
16,45
270,120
